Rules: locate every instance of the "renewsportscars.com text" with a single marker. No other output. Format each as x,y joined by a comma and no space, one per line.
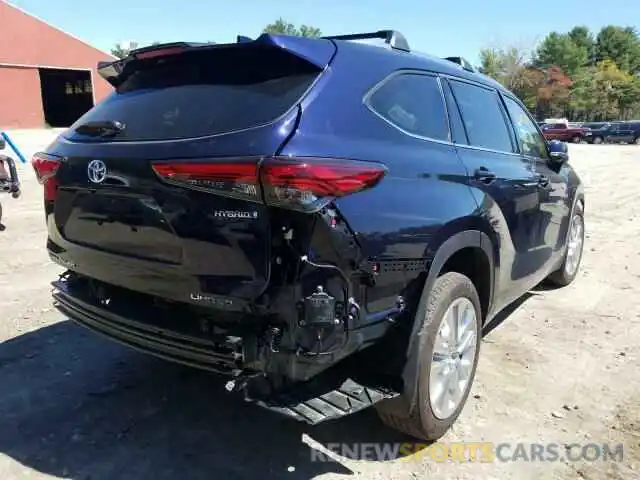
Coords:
484,452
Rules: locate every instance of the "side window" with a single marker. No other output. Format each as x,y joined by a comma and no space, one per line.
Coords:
458,135
531,141
483,117
413,103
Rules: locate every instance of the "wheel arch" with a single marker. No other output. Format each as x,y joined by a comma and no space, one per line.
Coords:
453,245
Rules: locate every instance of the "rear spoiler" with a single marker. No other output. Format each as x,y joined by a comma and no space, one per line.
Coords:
393,38
311,50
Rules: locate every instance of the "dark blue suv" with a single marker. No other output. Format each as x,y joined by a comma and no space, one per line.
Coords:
329,222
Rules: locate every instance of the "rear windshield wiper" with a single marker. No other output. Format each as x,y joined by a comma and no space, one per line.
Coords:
105,128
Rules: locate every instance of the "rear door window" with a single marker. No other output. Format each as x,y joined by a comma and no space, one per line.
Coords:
483,117
412,102
204,93
532,142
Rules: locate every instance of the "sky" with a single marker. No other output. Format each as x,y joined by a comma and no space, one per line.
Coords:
442,27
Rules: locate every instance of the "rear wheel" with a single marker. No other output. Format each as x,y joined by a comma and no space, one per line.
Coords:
636,140
597,140
577,139
451,336
573,250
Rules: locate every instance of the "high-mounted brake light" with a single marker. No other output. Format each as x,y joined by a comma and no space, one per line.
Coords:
46,167
303,184
160,52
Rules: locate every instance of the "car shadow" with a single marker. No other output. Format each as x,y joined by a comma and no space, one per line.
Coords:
505,313
78,406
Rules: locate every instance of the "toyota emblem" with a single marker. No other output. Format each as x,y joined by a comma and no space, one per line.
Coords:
97,171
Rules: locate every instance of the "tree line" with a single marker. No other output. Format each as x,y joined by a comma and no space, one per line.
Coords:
577,74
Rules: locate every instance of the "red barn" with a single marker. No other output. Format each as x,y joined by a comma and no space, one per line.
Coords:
47,76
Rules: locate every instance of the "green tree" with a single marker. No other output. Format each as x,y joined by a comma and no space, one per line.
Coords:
583,103
583,38
630,98
605,92
562,51
120,50
282,27
620,44
511,67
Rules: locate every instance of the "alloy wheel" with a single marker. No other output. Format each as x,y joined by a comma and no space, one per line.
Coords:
453,357
574,245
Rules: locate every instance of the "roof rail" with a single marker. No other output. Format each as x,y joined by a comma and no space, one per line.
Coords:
464,63
392,38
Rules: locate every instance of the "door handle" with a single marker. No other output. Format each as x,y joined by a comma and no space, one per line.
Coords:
484,175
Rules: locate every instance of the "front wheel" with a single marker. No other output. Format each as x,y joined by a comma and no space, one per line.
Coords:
573,250
450,335
597,140
636,140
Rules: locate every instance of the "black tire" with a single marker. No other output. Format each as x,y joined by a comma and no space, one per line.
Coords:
562,277
422,423
636,141
577,139
597,140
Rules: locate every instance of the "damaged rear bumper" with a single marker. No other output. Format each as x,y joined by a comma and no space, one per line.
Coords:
330,394
222,355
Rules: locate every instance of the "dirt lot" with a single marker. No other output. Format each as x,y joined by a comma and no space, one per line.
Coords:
562,368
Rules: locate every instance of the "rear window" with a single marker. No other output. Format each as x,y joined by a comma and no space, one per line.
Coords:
202,93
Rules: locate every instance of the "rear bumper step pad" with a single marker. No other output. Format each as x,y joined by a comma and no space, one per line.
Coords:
303,404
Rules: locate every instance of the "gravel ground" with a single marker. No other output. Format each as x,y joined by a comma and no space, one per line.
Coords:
562,368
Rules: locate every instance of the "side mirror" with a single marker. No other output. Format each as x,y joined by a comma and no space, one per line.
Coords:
559,151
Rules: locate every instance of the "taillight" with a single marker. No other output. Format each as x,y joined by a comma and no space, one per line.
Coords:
46,167
303,184
308,184
238,179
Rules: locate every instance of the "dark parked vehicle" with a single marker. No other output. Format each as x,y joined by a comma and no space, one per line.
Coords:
615,132
624,132
597,132
595,125
330,223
